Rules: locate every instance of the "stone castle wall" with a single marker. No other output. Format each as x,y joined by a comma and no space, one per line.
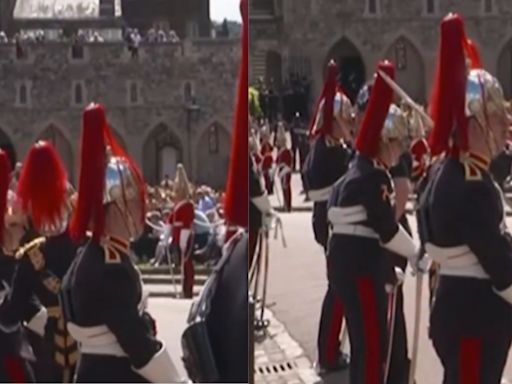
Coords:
159,119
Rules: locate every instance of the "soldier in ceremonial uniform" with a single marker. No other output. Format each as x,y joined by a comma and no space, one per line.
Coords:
15,351
181,220
327,162
229,317
465,230
362,214
44,194
284,166
267,162
102,293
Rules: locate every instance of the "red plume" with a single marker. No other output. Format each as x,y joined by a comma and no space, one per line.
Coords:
327,97
5,180
449,92
89,205
42,187
368,137
473,53
237,190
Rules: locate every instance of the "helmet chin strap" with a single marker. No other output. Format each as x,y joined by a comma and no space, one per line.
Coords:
127,219
490,139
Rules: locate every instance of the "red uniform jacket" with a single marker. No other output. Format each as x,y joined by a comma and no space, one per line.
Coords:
284,162
258,159
182,221
267,162
265,148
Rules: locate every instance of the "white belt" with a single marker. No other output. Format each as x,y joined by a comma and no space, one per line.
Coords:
283,171
98,340
354,230
347,215
456,261
320,194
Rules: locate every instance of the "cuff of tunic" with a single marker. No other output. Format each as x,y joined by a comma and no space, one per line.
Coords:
505,294
160,369
402,244
38,323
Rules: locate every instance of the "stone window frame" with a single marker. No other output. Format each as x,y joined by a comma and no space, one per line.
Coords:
492,3
74,84
28,89
425,8
129,87
192,90
377,12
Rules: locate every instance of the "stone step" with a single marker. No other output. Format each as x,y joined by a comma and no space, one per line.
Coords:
167,279
170,291
200,270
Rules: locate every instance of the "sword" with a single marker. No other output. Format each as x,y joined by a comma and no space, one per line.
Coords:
416,334
405,97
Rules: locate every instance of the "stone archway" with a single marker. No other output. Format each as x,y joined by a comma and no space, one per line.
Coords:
54,135
213,149
273,65
351,68
162,152
410,68
7,146
504,66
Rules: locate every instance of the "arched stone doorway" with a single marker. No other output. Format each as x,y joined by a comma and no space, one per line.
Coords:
213,151
505,69
162,152
54,135
273,65
7,146
351,69
410,68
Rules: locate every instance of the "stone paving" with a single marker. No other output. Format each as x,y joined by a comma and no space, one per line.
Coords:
279,359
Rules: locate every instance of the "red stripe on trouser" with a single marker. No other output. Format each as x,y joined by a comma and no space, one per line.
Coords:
333,336
469,363
14,369
372,356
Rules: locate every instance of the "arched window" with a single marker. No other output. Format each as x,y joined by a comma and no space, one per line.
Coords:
488,6
134,93
430,7
187,91
23,98
78,94
213,139
372,7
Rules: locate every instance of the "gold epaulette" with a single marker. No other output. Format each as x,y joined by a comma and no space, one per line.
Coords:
32,249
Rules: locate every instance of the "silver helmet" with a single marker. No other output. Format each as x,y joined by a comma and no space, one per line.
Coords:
484,96
120,182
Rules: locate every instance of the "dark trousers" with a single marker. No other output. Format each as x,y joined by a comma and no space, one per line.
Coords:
470,327
295,147
356,271
331,318
13,369
106,369
399,363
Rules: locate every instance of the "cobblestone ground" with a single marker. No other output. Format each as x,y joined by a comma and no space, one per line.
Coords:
297,283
